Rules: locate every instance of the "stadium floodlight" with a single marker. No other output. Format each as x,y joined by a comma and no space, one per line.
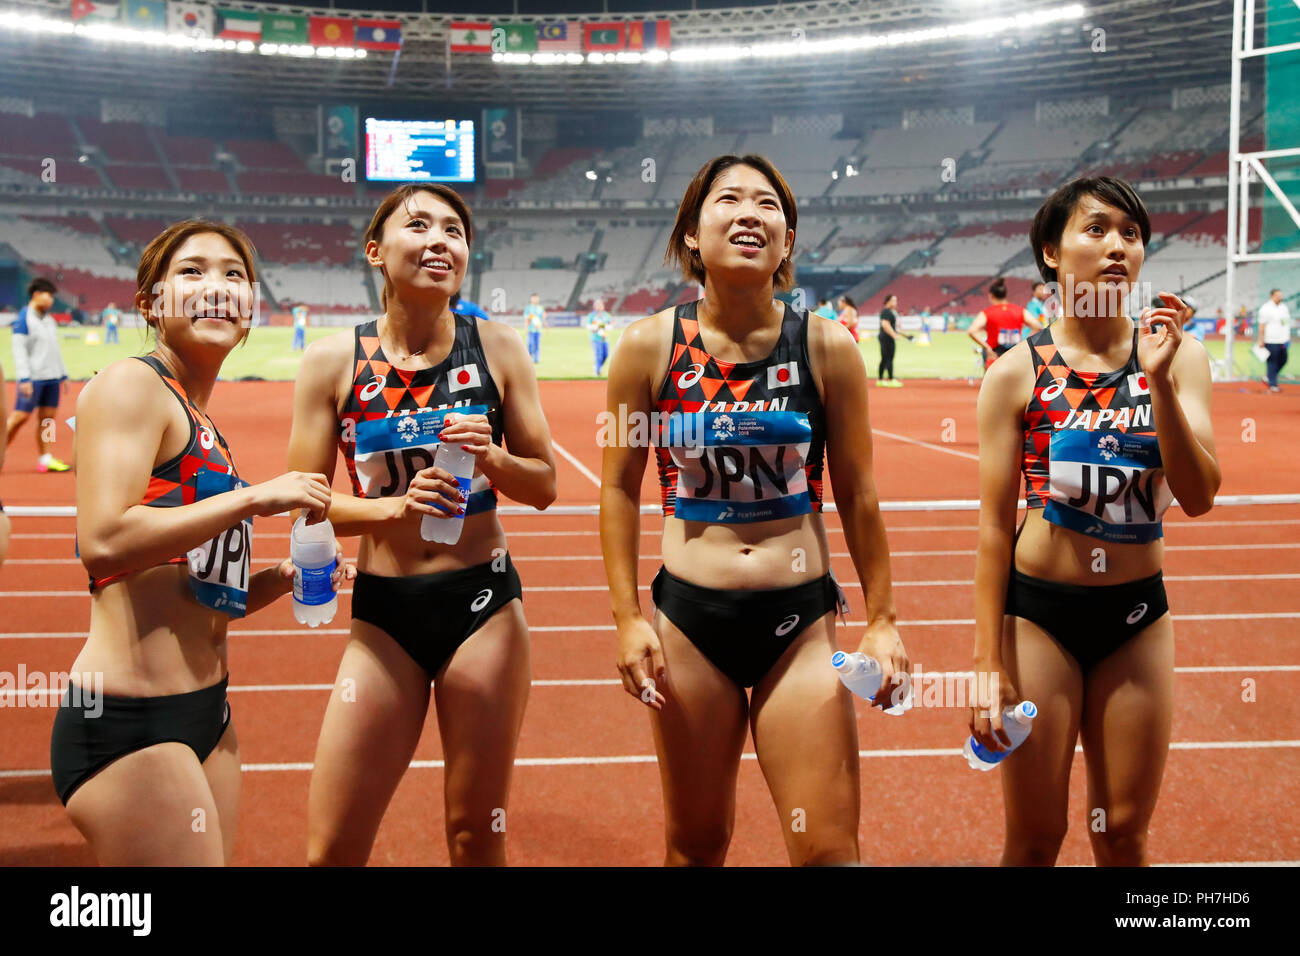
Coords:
721,53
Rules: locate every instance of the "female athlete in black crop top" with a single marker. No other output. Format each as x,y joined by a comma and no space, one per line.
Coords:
134,756
1104,422
746,393
386,395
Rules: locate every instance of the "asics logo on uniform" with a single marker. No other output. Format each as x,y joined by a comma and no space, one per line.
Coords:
205,438
1137,614
481,601
1053,390
787,625
373,388
687,379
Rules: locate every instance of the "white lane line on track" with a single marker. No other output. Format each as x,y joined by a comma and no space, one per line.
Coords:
652,526
962,552
573,628
651,758
926,444
614,682
582,469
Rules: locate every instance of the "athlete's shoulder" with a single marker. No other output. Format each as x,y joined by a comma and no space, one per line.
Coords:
496,335
340,345
126,388
648,333
1011,376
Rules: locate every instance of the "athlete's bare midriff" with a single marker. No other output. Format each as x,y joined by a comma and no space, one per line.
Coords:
1053,553
398,550
747,557
149,637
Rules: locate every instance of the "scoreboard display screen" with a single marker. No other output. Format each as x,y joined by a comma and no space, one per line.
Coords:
433,151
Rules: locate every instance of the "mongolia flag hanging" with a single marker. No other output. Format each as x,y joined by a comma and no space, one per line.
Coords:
379,34
648,35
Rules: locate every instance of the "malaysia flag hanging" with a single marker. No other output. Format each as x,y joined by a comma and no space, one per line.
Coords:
379,34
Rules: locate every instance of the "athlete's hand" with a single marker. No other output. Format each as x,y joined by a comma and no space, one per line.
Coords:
292,491
343,571
1161,334
472,432
994,694
883,643
641,662
431,492
25,389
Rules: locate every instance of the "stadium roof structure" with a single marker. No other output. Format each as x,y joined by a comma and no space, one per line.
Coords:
1148,44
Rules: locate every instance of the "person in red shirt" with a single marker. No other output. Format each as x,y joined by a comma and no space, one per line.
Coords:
848,316
999,326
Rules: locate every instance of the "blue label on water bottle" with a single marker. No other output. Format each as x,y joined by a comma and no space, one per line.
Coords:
311,586
464,484
988,756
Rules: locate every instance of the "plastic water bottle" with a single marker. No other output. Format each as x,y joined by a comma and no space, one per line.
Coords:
862,675
1017,721
460,463
311,547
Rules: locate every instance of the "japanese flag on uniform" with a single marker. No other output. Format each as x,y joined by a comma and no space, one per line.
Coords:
463,376
1137,384
782,375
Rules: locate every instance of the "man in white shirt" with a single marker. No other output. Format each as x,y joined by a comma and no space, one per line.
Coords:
39,368
1274,334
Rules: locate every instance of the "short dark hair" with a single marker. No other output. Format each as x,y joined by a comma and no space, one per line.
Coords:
849,302
401,196
41,284
885,304
688,215
998,288
1049,221
1038,285
1271,291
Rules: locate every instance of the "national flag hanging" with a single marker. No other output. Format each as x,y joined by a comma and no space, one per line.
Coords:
88,11
648,35
468,36
191,19
284,28
332,31
520,37
145,15
238,25
379,34
559,36
604,37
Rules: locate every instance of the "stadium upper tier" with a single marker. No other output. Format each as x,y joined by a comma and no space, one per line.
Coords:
864,181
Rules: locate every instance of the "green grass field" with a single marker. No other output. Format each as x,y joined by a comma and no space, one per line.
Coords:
566,354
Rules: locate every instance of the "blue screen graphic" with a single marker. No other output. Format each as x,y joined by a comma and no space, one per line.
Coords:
434,151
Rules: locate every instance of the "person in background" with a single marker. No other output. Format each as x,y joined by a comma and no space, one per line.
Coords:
535,321
848,316
825,310
597,324
299,327
888,334
39,368
998,327
1275,335
1038,308
111,316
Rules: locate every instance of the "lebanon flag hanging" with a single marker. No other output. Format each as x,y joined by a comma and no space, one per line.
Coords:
331,31
468,36
95,12
379,34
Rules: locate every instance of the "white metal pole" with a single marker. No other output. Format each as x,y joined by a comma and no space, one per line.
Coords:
1234,171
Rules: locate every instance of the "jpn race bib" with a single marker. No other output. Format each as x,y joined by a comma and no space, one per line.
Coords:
739,466
219,567
391,451
1108,485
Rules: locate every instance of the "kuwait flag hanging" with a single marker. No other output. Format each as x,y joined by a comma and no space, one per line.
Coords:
379,34
471,36
604,37
238,25
191,19
90,12
332,31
